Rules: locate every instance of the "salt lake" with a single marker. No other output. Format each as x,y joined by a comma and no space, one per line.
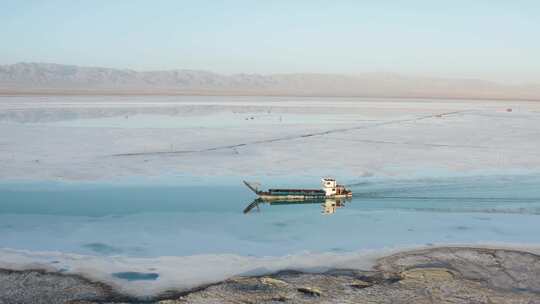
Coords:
146,193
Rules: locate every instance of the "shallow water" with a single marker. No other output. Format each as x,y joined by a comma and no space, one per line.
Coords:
136,276
216,120
153,220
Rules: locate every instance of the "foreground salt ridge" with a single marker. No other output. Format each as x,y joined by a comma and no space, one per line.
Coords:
189,272
458,275
179,273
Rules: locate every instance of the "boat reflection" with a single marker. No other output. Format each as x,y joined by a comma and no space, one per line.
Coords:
331,205
328,205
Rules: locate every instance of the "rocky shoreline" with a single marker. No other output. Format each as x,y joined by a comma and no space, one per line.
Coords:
434,275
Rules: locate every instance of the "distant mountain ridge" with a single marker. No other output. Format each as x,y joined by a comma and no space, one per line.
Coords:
36,78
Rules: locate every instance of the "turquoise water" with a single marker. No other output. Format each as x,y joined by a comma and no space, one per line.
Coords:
152,220
136,276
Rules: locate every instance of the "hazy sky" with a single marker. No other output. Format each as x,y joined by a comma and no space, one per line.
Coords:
498,40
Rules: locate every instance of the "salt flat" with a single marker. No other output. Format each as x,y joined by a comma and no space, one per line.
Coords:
101,137
103,186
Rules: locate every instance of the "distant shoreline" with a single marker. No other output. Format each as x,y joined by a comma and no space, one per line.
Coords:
60,79
62,92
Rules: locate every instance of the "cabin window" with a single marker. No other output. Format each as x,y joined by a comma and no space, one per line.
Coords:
333,189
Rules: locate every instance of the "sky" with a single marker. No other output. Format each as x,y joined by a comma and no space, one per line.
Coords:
494,40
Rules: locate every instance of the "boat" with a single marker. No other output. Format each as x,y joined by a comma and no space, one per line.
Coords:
329,189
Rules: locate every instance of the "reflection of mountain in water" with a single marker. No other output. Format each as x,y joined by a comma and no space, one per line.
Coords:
328,205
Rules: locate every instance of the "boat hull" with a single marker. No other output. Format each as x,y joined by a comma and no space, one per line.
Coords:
271,197
337,191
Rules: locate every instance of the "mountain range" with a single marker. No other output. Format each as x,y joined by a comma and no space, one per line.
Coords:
50,78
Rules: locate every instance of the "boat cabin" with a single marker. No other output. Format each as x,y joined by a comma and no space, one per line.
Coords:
331,188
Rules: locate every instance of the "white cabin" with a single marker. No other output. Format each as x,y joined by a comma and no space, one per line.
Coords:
329,186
